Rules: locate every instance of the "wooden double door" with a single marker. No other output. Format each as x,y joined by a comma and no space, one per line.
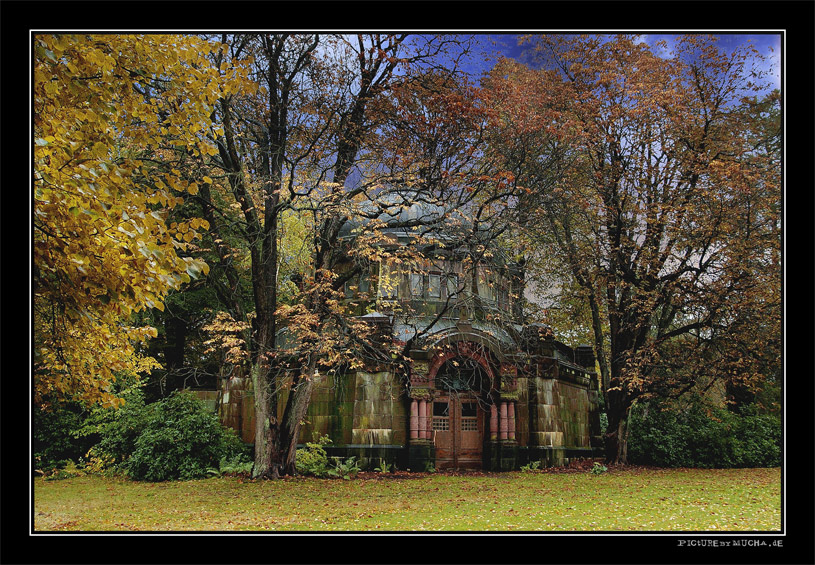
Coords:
458,431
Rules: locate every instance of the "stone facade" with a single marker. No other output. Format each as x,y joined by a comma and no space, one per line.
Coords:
482,390
533,406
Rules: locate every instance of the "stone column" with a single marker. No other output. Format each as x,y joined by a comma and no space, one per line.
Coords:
502,429
511,421
423,431
493,422
414,419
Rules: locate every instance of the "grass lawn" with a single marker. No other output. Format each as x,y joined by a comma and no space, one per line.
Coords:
625,499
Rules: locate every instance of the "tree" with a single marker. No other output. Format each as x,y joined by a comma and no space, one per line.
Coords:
660,203
317,141
108,111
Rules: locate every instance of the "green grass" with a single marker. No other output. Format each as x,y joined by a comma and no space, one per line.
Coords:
619,500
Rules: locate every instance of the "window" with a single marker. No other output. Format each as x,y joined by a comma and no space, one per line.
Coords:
485,285
434,286
350,289
452,285
364,284
503,296
469,425
388,283
416,284
469,417
441,416
388,289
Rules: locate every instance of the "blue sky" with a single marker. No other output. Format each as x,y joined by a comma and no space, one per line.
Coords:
768,44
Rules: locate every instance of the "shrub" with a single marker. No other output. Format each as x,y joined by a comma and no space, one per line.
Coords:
117,429
758,439
702,436
344,469
53,441
312,459
236,465
385,467
180,438
598,469
69,471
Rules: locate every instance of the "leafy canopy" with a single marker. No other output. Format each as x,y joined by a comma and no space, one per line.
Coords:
105,109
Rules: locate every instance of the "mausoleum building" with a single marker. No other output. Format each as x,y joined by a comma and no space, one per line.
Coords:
482,389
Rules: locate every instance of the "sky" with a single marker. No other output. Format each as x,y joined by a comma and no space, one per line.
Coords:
768,44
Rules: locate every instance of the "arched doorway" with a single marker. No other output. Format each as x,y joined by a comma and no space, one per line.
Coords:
459,414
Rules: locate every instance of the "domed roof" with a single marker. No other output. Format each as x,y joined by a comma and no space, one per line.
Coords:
401,212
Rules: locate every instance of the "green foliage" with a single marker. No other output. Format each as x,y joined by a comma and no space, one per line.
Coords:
598,469
175,438
385,467
344,469
700,436
532,466
180,439
235,465
53,441
312,459
97,438
69,471
116,429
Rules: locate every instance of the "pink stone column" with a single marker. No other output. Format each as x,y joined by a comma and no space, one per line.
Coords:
493,422
511,420
502,431
414,419
423,433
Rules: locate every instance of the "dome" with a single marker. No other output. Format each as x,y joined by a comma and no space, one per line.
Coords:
404,211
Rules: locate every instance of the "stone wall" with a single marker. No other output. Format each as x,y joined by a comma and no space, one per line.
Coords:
379,414
364,414
237,409
330,411
562,415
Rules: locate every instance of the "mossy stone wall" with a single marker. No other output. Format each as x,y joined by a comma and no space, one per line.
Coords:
331,410
562,415
380,415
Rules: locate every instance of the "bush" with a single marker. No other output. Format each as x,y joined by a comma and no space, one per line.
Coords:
54,444
598,469
70,432
180,439
702,436
312,459
344,469
117,429
175,438
758,440
69,471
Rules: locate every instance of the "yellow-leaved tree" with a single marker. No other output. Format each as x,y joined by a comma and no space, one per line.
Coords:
107,109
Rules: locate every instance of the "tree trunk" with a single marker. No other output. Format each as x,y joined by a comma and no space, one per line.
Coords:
616,437
618,400
296,409
265,427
